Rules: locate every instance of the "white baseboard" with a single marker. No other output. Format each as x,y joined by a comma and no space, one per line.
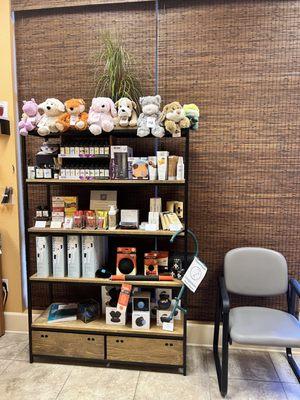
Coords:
198,333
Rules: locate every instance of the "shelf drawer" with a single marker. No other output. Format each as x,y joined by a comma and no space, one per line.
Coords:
67,344
155,351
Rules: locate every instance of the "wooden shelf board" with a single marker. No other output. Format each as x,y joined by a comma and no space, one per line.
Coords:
105,182
116,232
101,281
100,326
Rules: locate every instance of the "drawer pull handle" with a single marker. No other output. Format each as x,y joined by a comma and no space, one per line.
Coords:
117,340
171,344
122,341
93,339
46,336
166,344
88,338
42,335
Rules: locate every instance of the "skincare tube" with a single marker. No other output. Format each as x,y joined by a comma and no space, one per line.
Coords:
180,169
162,165
172,168
152,167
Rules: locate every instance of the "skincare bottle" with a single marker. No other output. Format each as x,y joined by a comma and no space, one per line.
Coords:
152,167
172,167
180,169
162,165
112,217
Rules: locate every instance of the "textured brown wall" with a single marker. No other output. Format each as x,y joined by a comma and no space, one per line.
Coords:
239,61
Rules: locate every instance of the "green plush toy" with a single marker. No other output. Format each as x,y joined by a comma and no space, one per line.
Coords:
193,113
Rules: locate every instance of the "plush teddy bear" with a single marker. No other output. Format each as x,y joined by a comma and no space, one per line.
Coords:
74,117
53,109
126,112
174,118
150,117
30,117
192,112
101,115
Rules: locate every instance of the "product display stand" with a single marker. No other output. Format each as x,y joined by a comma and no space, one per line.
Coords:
97,342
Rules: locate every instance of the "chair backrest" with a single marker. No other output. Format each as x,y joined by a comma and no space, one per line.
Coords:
255,271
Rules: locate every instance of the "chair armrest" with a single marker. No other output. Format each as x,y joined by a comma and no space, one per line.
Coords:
224,297
294,289
295,286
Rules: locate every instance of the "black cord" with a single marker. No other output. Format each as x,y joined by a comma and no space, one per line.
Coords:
4,288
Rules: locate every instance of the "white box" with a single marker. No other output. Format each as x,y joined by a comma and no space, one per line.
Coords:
43,256
141,320
114,316
58,256
73,256
94,254
161,313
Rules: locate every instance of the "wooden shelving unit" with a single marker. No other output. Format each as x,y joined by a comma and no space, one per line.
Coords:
97,341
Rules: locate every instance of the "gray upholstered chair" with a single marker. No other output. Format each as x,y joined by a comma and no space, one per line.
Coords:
254,271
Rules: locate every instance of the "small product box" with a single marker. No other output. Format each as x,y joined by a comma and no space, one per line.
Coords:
43,256
103,199
73,256
160,314
140,168
114,316
141,320
88,310
58,257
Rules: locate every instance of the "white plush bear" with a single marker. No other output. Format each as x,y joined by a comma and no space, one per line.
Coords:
150,117
52,109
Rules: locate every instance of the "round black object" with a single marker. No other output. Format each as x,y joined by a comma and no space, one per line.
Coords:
151,267
140,321
126,266
164,301
102,272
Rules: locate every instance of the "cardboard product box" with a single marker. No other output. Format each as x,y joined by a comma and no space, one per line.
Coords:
94,254
58,257
109,294
114,316
103,199
163,298
119,161
73,256
141,320
161,313
88,310
140,168
70,205
43,256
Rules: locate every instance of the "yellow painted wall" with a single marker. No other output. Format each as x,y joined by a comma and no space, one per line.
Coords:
9,219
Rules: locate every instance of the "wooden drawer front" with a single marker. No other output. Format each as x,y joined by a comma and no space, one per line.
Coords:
67,344
156,351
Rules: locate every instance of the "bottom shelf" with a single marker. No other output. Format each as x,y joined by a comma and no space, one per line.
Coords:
100,326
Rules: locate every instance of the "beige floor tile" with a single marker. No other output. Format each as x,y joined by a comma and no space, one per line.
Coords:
99,383
11,344
4,364
23,355
292,390
239,389
244,364
165,386
24,381
283,368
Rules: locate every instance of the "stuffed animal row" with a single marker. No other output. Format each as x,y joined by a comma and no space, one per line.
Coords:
104,115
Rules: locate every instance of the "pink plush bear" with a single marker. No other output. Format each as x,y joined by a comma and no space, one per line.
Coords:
30,117
101,115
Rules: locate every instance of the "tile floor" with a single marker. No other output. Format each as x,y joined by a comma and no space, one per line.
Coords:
252,376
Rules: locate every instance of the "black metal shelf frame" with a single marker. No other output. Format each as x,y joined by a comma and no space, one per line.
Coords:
125,133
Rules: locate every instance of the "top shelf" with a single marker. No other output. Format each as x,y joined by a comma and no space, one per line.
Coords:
119,133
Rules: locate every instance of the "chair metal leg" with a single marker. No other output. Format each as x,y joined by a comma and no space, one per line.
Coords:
293,363
221,366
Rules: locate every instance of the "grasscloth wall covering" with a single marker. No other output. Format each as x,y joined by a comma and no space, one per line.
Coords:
239,61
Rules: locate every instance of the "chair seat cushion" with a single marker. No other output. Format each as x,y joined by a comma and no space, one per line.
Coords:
264,326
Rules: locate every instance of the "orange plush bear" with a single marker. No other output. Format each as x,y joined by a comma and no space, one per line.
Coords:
74,118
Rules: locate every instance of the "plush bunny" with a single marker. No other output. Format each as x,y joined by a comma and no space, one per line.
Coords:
192,112
74,117
101,115
150,117
126,112
174,118
30,117
52,108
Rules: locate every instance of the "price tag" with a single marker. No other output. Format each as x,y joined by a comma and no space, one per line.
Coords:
150,122
40,224
168,326
55,224
194,274
73,120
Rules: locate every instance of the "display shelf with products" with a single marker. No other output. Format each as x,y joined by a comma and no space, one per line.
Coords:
139,337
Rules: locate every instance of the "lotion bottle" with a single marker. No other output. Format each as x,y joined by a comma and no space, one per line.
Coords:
180,169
